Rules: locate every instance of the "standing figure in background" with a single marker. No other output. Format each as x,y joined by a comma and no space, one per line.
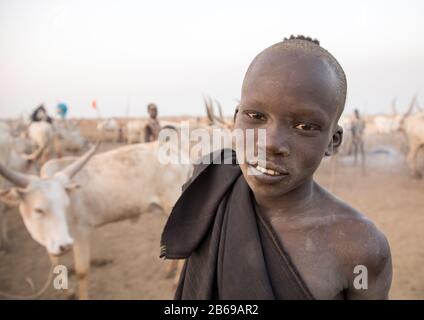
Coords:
40,114
62,110
357,129
152,128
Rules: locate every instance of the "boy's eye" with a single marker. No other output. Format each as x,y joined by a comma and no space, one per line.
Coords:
256,115
307,126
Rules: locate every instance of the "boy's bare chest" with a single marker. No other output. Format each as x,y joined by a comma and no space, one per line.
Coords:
313,253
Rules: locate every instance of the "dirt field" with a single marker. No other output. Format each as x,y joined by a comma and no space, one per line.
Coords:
125,255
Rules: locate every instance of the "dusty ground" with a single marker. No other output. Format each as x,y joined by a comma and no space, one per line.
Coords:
125,255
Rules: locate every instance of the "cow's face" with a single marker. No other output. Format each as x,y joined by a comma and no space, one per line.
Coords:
43,202
43,205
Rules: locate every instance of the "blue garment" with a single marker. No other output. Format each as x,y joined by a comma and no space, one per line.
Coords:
62,109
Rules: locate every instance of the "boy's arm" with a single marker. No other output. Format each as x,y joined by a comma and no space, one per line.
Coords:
371,278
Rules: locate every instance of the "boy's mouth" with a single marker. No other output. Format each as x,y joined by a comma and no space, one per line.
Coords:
270,169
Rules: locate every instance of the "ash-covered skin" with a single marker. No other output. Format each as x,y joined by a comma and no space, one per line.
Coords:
296,91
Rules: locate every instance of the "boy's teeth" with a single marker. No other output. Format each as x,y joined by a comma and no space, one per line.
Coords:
263,170
267,171
271,172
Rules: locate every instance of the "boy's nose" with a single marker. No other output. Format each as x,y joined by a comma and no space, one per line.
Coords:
276,143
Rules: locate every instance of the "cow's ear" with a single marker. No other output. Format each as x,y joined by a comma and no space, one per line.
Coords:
72,186
10,197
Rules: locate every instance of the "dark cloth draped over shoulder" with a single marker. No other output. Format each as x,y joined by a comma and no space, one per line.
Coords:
231,251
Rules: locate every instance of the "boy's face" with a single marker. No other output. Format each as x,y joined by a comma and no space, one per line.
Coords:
153,112
294,97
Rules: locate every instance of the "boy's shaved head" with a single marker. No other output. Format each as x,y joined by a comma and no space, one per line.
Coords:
294,90
306,51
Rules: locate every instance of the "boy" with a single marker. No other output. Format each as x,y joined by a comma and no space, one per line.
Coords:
357,129
152,128
277,234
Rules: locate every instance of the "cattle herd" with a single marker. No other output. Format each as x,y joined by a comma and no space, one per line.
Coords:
63,187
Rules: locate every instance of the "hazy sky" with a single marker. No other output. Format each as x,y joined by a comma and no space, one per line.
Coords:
170,52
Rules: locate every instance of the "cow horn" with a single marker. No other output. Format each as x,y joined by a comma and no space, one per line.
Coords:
411,106
208,111
221,116
76,166
211,109
19,179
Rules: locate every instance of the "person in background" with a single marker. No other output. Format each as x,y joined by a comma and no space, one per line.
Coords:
62,110
357,129
40,114
152,128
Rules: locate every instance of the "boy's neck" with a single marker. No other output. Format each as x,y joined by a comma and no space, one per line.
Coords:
296,201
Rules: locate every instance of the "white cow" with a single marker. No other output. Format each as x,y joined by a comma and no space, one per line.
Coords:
6,145
72,197
387,124
69,139
109,130
413,126
135,131
11,149
42,134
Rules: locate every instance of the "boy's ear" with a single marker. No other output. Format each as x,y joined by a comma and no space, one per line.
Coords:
335,142
10,197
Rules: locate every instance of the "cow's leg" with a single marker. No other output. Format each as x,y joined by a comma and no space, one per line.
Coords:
57,147
171,268
2,235
82,263
45,155
180,265
4,238
412,161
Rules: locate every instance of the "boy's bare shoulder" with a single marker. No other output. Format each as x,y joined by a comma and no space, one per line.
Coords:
356,237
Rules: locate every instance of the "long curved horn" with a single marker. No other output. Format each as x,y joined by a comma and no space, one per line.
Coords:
208,111
210,103
221,116
19,179
411,107
76,166
216,120
211,112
